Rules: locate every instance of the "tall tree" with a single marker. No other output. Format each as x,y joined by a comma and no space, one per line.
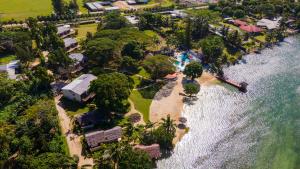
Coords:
58,6
193,70
190,89
158,66
112,91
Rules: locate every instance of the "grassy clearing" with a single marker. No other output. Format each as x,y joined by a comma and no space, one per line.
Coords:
261,38
83,29
22,9
4,59
74,108
159,42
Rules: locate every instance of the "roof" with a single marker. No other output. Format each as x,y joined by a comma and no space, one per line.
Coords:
171,76
90,118
250,28
69,41
77,57
81,84
239,22
98,5
62,29
91,6
94,139
131,2
268,23
112,8
132,19
152,150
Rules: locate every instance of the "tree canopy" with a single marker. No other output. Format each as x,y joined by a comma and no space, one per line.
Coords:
158,66
193,70
112,91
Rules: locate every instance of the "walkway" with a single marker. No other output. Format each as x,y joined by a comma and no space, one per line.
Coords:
73,140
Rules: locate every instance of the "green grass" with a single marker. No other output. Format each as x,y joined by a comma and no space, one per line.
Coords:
4,59
22,9
141,104
261,38
83,29
74,108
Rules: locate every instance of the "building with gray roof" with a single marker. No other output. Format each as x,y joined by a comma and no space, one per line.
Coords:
63,30
96,138
70,43
77,90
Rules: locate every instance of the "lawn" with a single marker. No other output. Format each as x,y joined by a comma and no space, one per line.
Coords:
74,108
4,59
142,99
83,29
22,9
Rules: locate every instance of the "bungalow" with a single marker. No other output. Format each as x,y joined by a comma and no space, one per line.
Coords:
70,43
79,60
64,30
152,150
94,139
77,90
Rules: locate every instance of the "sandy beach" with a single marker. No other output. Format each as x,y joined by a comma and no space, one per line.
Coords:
169,100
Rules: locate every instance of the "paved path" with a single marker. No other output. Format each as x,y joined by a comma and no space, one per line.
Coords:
73,140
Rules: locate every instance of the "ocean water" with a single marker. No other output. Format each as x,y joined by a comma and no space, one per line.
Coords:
256,130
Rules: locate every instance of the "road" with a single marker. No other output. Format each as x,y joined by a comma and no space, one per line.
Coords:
73,140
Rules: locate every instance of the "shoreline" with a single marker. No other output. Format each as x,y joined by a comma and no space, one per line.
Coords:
175,102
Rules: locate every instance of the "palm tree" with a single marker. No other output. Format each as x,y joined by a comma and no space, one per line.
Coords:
168,124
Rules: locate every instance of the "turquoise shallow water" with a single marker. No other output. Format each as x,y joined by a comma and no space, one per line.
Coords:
259,129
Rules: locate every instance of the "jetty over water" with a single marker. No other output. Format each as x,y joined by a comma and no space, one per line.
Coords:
241,86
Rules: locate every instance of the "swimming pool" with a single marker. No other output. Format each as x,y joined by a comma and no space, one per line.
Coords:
182,60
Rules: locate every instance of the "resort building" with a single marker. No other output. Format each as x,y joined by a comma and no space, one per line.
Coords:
97,6
132,19
152,150
64,31
251,28
11,69
238,22
94,139
77,90
79,61
70,44
269,24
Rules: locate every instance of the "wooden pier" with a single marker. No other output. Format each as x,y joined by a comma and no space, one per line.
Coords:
241,86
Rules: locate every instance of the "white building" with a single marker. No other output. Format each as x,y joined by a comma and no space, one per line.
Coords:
77,90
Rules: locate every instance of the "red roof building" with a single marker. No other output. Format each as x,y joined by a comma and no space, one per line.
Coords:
171,76
239,22
250,28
